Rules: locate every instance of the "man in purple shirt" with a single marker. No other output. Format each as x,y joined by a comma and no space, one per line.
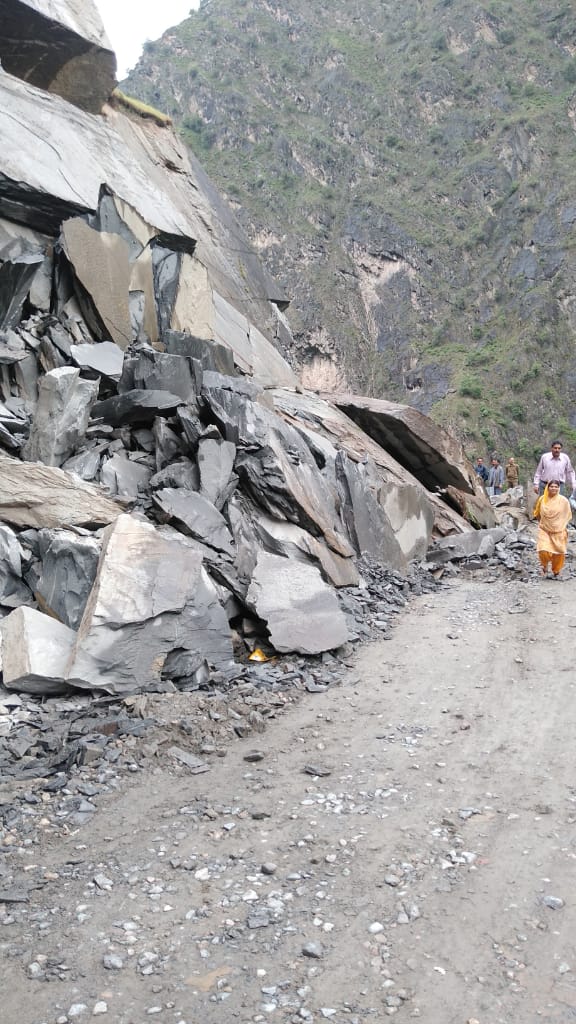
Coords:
554,465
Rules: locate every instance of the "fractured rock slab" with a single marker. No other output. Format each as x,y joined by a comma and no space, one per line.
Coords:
105,358
197,516
215,464
292,541
61,416
476,542
35,495
13,590
137,406
69,564
302,613
61,46
430,453
101,264
35,652
151,597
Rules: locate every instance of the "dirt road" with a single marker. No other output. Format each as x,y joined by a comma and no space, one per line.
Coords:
405,847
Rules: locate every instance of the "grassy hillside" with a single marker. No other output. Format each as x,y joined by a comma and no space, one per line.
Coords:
408,170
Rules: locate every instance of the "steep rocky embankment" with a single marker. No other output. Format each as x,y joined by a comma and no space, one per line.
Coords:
406,170
170,497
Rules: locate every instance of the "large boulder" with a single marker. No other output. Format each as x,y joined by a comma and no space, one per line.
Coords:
301,611
42,496
60,46
151,599
428,451
400,528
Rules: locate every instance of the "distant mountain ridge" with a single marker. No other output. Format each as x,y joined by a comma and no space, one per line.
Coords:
406,171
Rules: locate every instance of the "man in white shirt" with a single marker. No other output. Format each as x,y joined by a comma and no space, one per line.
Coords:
554,465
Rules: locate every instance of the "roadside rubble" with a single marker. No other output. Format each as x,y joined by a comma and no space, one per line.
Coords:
171,501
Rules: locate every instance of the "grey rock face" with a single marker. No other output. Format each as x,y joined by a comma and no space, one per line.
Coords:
215,464
124,477
151,597
61,417
476,542
105,358
209,354
428,451
35,652
69,564
276,466
160,371
301,611
179,474
61,46
367,523
197,516
136,406
18,266
292,541
13,591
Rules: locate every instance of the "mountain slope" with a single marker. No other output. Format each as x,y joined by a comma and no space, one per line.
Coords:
406,170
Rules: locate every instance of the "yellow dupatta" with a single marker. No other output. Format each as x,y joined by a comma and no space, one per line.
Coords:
553,514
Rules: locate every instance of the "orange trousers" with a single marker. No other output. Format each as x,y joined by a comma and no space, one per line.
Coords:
557,561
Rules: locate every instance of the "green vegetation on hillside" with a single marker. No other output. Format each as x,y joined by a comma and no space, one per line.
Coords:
408,171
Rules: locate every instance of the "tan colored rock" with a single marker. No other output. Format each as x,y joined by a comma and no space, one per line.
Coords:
42,496
101,264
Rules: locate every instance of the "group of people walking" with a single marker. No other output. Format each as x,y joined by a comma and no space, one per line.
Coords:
554,477
495,477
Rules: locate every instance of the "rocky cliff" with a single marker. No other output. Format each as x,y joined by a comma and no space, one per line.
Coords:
170,497
406,171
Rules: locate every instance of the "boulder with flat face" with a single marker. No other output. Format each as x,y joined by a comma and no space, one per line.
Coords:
60,46
42,496
61,416
430,453
69,563
151,598
301,611
403,512
35,652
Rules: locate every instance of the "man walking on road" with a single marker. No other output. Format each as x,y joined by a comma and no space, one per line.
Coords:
555,465
480,470
495,477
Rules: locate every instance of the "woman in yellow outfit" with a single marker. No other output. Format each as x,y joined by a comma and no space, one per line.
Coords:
553,513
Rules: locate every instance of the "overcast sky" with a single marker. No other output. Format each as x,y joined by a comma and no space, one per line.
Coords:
129,23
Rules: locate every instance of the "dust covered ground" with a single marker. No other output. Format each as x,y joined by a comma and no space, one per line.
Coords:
403,844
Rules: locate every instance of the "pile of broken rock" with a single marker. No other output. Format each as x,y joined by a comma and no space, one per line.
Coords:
154,496
169,497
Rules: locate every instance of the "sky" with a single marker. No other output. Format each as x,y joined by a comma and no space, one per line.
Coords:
129,23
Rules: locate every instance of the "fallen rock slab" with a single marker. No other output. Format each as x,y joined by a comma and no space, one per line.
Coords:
61,417
301,611
477,542
35,652
61,46
433,455
69,564
151,597
44,496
